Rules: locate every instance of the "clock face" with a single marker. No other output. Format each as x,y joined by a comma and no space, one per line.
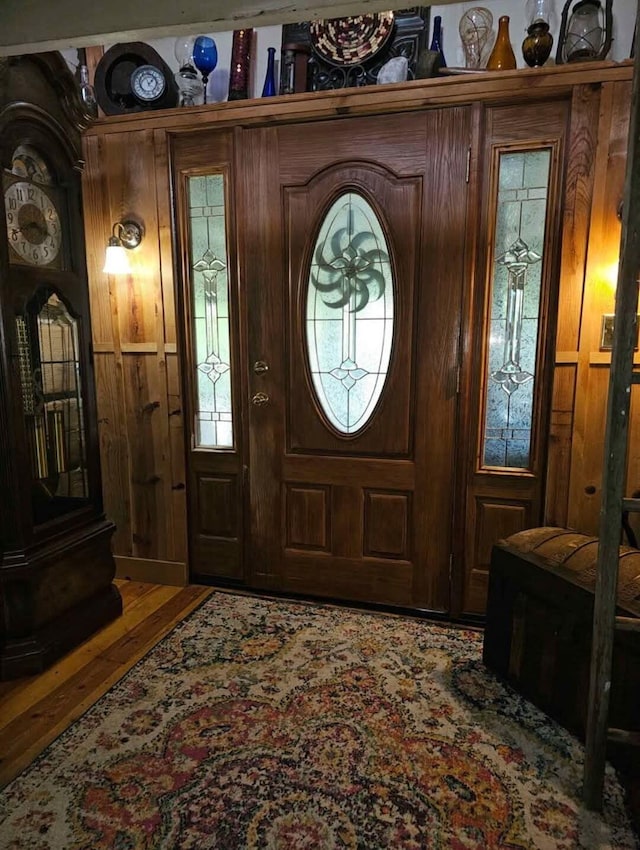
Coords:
33,224
148,83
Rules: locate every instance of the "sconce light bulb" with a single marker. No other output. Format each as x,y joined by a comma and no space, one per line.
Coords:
116,260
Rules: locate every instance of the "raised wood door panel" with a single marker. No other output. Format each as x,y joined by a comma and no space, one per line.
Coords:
208,303
363,515
506,433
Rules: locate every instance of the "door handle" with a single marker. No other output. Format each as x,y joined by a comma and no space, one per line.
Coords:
260,367
260,398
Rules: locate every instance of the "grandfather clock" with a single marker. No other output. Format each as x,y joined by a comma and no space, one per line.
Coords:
56,567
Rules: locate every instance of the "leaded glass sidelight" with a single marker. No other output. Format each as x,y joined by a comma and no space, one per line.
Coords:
349,313
210,311
523,182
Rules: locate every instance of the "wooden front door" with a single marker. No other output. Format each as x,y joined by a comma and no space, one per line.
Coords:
351,248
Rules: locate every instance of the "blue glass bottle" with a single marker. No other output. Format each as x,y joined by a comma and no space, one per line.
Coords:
436,40
269,88
205,58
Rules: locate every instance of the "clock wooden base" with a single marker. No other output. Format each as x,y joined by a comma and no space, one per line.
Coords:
54,598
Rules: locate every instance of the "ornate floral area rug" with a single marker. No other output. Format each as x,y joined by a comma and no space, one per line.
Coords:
268,724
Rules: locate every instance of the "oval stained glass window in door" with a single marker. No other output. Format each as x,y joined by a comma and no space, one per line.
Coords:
349,313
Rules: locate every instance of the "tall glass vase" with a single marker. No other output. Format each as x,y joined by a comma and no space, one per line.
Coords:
269,88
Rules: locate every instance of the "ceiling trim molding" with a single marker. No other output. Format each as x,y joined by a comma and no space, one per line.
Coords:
33,26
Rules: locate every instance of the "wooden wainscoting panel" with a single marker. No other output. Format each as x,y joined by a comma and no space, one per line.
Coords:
178,548
146,429
137,373
588,446
386,524
114,449
559,451
307,516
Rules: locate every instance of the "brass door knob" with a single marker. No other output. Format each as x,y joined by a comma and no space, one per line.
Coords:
260,398
260,367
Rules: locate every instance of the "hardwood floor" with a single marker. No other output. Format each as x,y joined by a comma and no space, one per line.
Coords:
34,710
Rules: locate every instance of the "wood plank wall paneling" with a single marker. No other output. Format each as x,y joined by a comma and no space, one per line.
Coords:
135,350
575,230
592,377
93,55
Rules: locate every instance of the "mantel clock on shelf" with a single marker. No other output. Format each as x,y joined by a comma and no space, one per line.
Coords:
56,567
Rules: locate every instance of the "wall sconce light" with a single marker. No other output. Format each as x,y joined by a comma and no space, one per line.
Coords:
126,234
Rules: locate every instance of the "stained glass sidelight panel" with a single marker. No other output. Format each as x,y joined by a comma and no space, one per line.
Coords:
210,311
349,313
521,212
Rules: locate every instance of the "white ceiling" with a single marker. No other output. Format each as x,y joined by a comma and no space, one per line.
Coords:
31,26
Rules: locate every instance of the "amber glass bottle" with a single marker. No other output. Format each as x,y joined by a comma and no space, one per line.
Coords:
502,57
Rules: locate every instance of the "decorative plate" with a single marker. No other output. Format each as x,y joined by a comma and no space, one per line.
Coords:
351,41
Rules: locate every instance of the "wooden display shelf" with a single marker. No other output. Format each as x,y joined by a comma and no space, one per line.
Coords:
490,86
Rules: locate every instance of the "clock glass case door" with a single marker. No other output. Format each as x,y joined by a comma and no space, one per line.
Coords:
50,383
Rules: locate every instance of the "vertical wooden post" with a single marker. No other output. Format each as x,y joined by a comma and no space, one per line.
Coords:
614,464
93,56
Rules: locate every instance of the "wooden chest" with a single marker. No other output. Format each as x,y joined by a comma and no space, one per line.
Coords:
539,624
